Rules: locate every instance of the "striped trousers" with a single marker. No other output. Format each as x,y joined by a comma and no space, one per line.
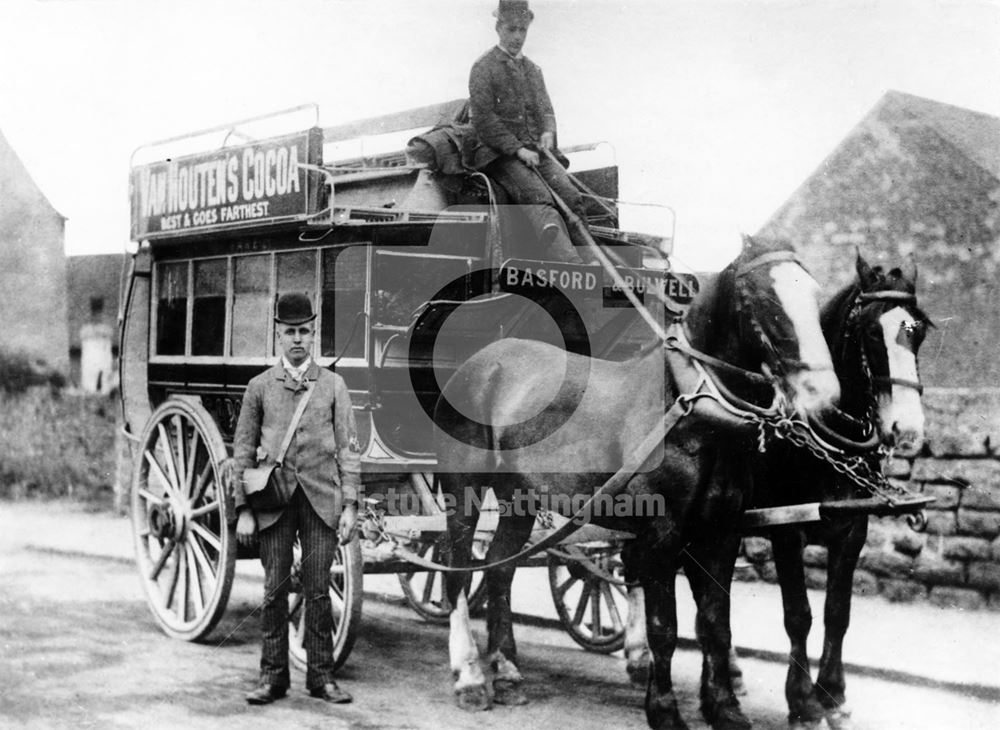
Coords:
319,545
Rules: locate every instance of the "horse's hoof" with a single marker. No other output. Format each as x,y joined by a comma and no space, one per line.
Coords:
508,693
638,672
739,686
473,698
800,724
839,718
662,713
728,717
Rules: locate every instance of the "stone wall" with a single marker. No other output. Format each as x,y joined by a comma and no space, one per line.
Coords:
955,562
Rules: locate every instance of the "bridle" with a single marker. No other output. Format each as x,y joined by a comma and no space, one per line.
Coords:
888,295
867,423
891,296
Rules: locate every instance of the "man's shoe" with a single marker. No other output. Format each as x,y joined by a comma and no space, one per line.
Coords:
265,694
330,692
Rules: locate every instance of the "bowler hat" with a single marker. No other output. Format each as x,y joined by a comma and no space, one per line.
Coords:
513,10
294,309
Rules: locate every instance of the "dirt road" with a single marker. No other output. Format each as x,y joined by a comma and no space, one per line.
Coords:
80,650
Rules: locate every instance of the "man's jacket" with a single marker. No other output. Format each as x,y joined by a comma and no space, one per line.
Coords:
509,106
323,457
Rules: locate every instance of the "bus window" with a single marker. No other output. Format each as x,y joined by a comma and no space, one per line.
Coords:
406,281
345,278
171,308
251,305
208,316
296,274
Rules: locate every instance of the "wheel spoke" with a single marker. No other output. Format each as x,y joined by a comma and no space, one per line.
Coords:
197,595
581,607
207,536
428,586
177,450
170,460
162,560
182,570
149,496
337,590
190,463
155,466
564,587
204,509
172,583
202,482
337,599
203,561
595,610
609,599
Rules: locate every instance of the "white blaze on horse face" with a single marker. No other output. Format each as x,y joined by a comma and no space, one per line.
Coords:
901,411
816,387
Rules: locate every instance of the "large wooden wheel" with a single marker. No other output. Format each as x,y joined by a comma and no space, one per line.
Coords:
346,594
185,548
592,608
425,590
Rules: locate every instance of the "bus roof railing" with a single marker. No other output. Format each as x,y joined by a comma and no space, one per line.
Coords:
424,116
231,128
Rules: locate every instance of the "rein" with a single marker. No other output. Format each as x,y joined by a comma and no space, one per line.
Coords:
701,391
706,390
613,486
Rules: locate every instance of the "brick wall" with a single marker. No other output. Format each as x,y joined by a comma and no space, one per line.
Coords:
955,562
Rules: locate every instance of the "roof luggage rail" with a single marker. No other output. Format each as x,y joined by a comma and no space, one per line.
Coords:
231,129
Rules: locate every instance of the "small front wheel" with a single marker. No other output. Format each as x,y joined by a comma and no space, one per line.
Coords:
425,590
592,608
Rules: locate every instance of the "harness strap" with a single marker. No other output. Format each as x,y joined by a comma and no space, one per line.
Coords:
823,434
675,343
700,395
887,295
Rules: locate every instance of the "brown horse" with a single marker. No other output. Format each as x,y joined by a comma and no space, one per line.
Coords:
536,423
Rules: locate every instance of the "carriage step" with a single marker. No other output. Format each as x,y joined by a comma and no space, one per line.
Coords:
793,514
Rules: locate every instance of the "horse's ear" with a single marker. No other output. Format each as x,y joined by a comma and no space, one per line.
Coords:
909,269
866,275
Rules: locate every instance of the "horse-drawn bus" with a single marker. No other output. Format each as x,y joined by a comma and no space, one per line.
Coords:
415,269
410,270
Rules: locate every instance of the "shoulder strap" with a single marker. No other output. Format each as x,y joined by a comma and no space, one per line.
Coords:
295,422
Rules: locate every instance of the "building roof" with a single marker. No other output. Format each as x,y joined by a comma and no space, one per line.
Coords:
17,182
975,134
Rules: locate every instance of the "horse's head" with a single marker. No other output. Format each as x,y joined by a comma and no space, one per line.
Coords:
887,327
762,314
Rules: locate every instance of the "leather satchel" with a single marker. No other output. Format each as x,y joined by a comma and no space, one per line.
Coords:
262,490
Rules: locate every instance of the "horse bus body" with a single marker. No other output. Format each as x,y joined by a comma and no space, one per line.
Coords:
374,242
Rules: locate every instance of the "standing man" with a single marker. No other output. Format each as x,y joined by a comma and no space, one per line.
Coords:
321,471
516,128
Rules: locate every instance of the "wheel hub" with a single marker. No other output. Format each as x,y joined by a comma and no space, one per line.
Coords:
165,522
